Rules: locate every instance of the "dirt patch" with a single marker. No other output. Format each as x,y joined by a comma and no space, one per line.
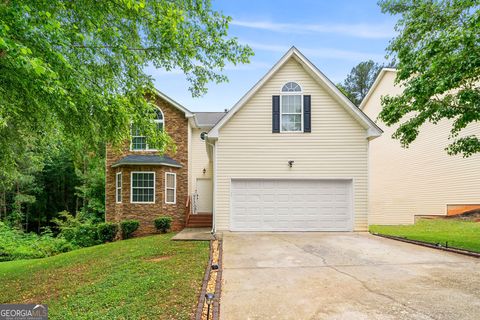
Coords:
472,215
53,284
158,259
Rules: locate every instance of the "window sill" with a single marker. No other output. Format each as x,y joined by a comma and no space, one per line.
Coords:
295,132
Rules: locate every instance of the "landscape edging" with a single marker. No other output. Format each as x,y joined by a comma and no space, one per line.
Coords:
429,245
201,298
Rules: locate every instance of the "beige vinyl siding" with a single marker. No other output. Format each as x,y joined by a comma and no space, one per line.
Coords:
336,147
200,159
422,179
189,137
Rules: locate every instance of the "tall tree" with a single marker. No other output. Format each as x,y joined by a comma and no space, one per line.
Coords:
359,80
76,68
438,55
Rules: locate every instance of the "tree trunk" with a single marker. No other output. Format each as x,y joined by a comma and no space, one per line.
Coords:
18,206
85,169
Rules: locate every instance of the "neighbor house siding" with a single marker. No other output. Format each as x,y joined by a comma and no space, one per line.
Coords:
336,147
422,179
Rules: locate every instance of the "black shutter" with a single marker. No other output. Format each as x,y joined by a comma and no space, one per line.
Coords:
307,114
275,114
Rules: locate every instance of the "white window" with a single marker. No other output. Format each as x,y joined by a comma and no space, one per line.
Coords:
142,187
170,187
118,187
291,108
139,141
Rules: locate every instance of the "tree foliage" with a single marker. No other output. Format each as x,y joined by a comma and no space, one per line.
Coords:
438,55
359,80
76,68
52,179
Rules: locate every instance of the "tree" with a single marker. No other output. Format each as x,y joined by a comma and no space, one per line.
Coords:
438,55
359,80
76,68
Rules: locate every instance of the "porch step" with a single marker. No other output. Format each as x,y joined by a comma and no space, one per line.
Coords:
200,220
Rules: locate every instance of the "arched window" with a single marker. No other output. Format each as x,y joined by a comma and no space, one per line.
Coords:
291,87
291,111
159,119
139,140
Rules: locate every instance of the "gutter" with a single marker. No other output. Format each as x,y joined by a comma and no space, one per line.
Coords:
145,164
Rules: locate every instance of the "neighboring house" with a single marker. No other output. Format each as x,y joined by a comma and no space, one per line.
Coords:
291,155
422,179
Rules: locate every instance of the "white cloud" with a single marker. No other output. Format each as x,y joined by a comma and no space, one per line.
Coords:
324,53
369,31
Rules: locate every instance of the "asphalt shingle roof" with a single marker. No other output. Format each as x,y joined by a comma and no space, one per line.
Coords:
153,160
208,119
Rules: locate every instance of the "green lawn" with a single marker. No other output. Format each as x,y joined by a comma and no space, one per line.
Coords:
142,278
459,234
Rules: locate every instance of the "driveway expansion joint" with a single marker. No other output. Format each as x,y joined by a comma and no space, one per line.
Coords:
344,276
311,250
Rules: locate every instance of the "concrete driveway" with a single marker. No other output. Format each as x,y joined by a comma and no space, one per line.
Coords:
344,276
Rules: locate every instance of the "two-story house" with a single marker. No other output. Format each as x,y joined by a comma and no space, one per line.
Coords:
291,155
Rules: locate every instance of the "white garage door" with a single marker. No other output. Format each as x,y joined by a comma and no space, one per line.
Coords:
291,205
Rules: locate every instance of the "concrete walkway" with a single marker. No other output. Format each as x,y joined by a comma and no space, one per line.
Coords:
192,234
344,276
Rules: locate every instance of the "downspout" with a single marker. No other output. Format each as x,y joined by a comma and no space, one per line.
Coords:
214,182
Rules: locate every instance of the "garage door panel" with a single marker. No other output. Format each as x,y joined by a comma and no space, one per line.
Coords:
291,205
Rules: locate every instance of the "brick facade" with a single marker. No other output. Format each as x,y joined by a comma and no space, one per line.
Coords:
176,125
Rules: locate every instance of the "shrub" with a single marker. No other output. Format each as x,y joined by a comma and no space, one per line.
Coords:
79,233
83,235
128,227
163,223
107,231
15,244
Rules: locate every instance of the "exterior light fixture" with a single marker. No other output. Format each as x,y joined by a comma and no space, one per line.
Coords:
204,170
209,299
290,163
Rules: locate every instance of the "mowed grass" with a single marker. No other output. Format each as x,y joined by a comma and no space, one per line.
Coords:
143,278
458,233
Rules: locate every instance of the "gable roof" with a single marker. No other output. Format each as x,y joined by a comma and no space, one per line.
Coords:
329,86
208,119
188,113
375,85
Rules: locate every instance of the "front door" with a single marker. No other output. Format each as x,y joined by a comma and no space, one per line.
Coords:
205,195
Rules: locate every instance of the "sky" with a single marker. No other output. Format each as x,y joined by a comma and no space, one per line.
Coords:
334,35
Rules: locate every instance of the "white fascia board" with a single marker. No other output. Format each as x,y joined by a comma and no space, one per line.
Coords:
367,123
213,133
188,113
375,85
372,129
